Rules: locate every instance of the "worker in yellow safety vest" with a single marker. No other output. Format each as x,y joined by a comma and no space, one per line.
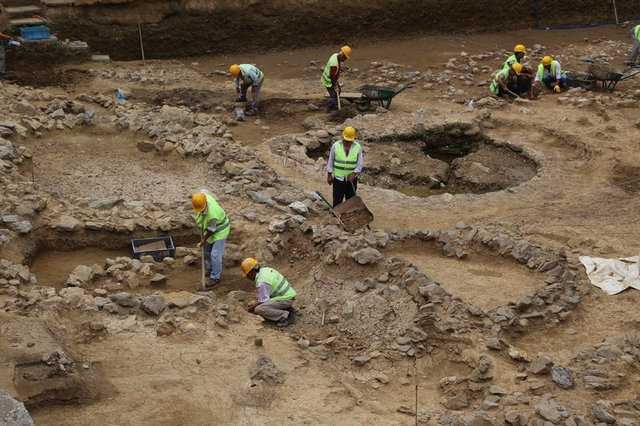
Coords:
550,74
518,56
509,82
635,51
331,75
214,226
274,293
345,164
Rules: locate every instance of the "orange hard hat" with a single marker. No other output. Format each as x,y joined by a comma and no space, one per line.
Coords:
234,70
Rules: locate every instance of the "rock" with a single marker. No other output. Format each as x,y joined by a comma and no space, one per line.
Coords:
563,377
258,341
459,401
158,279
80,276
518,355
516,418
483,370
601,411
146,145
303,343
299,207
154,304
13,412
105,203
312,123
367,256
361,287
124,299
550,410
361,360
541,365
182,299
278,226
68,223
266,371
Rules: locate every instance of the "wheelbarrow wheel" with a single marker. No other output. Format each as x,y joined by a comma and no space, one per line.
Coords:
363,105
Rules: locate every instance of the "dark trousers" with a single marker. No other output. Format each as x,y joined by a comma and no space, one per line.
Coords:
333,99
343,189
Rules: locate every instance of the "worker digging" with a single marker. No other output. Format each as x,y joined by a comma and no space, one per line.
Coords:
635,49
214,226
331,76
345,163
512,83
248,76
274,293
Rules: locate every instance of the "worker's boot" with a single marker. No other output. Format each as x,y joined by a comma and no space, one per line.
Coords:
211,283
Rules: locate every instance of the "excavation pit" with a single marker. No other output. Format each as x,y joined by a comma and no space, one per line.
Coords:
451,158
99,164
481,279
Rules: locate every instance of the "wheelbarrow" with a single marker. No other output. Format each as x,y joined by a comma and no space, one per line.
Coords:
598,77
374,95
352,214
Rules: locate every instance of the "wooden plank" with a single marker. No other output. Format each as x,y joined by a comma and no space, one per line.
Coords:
16,10
26,21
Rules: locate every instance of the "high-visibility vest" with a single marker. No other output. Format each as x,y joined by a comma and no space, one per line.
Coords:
213,212
636,31
553,70
280,287
510,61
494,88
344,165
326,74
251,75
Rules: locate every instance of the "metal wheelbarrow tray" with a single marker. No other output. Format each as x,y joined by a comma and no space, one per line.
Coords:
377,95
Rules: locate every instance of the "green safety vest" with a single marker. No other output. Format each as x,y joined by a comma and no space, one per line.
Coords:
636,31
280,287
344,165
326,74
510,61
213,212
553,71
494,88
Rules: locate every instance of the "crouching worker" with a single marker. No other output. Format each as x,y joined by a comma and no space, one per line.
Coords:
274,294
512,82
550,74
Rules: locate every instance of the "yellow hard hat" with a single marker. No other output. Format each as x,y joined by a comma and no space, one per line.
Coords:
199,201
546,61
349,134
346,51
517,67
519,48
234,70
248,265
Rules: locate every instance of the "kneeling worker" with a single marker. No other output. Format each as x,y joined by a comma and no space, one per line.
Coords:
246,76
511,82
519,51
635,50
274,294
346,160
550,74
214,226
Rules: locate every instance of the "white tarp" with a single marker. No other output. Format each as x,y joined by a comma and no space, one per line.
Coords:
613,275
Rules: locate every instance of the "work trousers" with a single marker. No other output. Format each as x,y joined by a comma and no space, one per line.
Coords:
343,189
255,95
274,310
3,61
333,99
214,255
550,81
635,51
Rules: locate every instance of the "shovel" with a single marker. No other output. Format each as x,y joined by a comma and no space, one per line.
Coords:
202,276
333,212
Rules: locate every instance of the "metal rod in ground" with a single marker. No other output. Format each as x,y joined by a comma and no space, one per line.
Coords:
615,12
415,372
202,278
141,44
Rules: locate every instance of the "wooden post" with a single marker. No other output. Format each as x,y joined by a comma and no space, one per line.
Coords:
615,12
141,45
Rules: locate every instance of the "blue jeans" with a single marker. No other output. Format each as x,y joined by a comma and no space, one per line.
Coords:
550,81
214,253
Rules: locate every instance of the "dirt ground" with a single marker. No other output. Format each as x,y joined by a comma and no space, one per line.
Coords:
562,176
